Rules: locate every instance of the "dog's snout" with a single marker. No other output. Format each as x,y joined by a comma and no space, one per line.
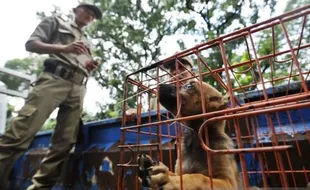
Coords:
167,96
167,89
164,86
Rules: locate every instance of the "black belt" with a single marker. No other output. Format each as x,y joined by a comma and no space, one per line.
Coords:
57,68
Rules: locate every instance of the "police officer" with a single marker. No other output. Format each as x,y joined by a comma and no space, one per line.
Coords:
62,84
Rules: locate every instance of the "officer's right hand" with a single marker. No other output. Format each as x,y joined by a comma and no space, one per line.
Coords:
75,47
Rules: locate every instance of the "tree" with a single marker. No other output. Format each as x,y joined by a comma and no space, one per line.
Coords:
128,36
49,124
31,65
291,4
279,66
9,115
295,28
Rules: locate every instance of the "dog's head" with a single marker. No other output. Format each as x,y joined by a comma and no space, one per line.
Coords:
190,98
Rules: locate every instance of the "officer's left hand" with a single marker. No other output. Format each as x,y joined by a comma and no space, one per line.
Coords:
91,65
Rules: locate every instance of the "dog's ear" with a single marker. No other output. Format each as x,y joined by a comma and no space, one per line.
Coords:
217,102
225,100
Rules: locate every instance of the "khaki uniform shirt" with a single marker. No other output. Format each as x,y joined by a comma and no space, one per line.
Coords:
54,30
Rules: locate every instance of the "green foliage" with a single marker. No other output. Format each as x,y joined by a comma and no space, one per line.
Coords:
129,34
128,38
294,28
9,114
293,4
267,42
49,125
29,65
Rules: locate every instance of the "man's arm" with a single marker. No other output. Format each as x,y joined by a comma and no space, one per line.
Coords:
39,47
40,40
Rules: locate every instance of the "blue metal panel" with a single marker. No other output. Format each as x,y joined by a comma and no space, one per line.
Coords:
101,135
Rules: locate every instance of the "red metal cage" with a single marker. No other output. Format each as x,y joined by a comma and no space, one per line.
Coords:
264,70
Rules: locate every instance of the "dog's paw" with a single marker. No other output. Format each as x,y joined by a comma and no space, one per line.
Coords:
159,176
150,174
145,162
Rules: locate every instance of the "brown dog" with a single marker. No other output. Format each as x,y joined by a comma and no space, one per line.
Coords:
225,173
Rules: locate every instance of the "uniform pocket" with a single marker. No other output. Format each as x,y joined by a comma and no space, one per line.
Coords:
23,126
42,77
64,31
27,110
65,36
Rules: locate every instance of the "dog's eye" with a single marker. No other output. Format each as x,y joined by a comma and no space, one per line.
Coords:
188,86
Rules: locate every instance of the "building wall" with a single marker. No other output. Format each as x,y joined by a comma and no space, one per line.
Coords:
3,111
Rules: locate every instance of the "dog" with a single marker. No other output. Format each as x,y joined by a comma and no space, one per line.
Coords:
195,176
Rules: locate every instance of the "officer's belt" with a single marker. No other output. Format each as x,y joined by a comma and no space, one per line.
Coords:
58,68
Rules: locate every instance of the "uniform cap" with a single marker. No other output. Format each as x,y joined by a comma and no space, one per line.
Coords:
96,10
183,60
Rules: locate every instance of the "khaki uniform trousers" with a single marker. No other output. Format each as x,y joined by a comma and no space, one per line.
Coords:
49,92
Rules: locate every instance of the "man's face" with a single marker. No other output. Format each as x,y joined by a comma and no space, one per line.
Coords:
183,71
83,16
